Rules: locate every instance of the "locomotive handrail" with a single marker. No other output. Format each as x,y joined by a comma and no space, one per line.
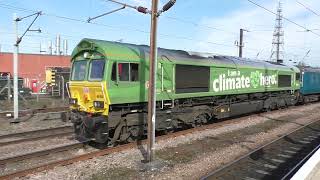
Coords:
104,96
67,87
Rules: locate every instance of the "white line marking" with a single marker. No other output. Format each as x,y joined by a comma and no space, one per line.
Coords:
278,160
304,142
288,151
308,139
262,172
270,166
249,178
313,136
295,148
284,155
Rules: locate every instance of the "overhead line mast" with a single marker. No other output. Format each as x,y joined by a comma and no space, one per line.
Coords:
293,22
278,38
15,57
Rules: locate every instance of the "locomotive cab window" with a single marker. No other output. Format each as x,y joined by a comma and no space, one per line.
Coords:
297,76
114,72
79,70
134,72
97,69
125,71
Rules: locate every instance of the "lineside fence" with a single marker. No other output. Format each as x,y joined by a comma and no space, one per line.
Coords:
34,93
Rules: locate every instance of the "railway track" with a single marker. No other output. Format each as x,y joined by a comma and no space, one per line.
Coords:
102,152
28,136
22,162
9,114
27,156
279,159
69,160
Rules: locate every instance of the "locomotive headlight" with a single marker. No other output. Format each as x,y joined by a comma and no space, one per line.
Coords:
73,101
86,55
98,104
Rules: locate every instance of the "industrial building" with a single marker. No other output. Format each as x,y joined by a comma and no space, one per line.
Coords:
32,67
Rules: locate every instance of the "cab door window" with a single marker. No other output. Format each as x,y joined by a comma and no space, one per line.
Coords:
125,72
134,72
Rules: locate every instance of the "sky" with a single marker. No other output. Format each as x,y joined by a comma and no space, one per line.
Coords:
192,25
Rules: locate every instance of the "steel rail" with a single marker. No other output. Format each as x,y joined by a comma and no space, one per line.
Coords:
63,134
259,149
30,133
40,153
34,111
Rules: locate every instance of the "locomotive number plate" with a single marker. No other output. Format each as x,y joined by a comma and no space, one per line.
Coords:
86,90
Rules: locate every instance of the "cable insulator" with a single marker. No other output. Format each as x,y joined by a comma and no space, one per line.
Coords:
168,5
142,10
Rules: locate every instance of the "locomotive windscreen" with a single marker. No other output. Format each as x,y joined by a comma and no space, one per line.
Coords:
96,69
79,70
192,79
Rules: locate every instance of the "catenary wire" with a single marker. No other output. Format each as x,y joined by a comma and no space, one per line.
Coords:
308,8
112,27
287,19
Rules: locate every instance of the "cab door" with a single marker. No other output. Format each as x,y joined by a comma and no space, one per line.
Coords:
126,80
165,82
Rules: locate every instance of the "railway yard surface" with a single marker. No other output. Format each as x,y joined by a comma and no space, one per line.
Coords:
44,101
190,154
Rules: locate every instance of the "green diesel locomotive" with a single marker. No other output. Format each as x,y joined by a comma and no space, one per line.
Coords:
109,82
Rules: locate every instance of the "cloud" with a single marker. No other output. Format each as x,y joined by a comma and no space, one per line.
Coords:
261,24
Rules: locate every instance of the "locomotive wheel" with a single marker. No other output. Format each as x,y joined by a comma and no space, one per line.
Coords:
273,106
201,119
134,134
81,132
77,129
101,135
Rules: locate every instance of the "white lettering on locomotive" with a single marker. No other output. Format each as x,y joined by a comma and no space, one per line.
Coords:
234,80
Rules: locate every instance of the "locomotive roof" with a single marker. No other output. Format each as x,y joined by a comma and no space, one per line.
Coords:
122,51
310,69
